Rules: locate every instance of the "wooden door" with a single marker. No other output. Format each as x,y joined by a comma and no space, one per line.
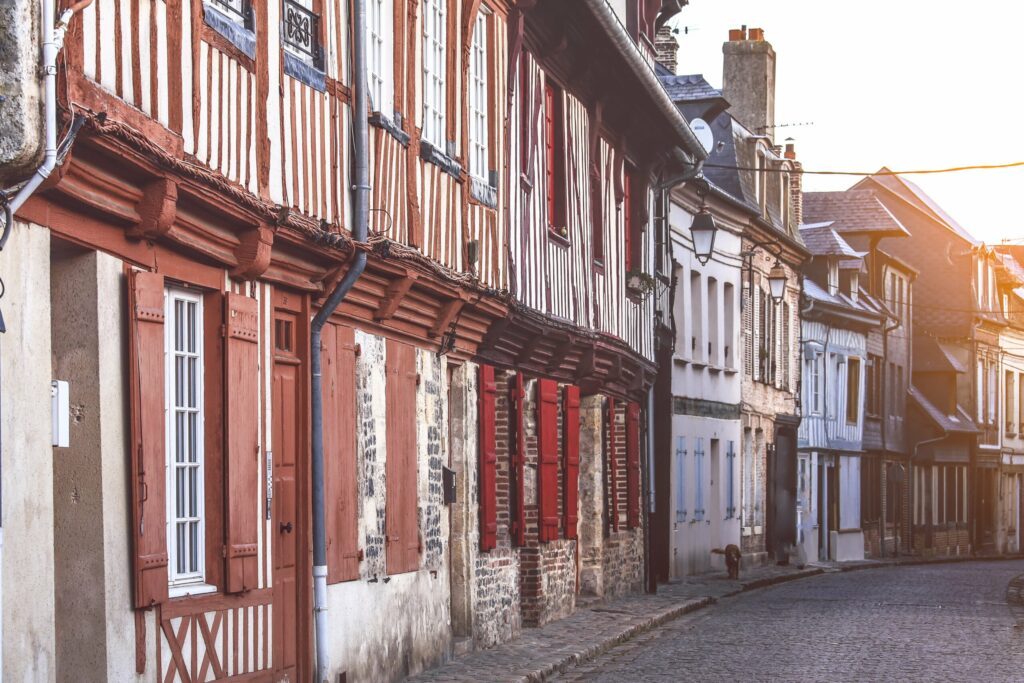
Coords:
285,530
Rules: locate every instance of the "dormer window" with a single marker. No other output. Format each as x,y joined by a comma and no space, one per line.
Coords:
833,277
761,181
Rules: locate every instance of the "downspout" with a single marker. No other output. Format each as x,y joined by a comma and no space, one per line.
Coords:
53,42
360,213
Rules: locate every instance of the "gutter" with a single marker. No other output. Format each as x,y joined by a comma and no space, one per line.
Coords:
360,201
606,16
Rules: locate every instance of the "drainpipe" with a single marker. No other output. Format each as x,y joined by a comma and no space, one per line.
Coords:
53,42
360,217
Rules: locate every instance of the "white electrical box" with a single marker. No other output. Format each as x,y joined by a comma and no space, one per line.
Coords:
61,411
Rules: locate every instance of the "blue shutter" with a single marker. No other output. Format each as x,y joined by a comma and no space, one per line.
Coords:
698,459
681,479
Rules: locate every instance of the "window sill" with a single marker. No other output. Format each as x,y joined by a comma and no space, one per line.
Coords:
230,29
482,192
305,72
698,363
729,371
389,126
557,237
433,155
190,589
715,368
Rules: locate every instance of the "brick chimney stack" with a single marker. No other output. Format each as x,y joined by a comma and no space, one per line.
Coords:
796,193
748,79
666,46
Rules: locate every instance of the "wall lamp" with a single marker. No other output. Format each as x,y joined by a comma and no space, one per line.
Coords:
777,278
703,228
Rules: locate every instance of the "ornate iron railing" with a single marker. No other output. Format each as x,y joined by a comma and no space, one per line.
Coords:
301,31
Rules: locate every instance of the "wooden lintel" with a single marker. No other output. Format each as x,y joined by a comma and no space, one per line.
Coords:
393,299
445,316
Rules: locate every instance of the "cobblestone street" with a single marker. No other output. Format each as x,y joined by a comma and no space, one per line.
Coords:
931,622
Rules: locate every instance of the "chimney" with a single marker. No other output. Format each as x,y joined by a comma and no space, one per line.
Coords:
796,178
666,47
748,79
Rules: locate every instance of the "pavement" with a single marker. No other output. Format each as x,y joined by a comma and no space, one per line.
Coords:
608,641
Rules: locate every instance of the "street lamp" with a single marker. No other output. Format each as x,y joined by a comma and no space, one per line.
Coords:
777,281
703,228
777,278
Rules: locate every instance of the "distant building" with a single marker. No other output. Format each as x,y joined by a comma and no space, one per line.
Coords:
836,319
861,219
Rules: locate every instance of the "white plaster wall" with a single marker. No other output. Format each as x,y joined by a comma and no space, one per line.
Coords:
692,540
27,480
849,493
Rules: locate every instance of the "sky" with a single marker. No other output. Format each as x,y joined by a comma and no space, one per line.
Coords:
908,84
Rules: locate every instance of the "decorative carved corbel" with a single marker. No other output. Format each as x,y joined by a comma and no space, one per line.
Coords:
393,298
253,252
157,209
445,316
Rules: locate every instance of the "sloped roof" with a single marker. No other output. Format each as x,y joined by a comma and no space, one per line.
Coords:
913,194
852,211
863,306
822,240
961,423
688,87
932,356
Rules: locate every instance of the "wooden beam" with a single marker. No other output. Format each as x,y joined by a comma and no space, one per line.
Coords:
395,294
445,316
560,353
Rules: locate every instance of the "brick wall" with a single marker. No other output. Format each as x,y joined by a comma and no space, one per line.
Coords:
547,570
496,602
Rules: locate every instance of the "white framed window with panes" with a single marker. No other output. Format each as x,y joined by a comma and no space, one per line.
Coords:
479,132
379,55
184,430
435,24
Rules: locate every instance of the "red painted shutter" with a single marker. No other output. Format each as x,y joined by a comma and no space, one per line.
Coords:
488,461
339,388
400,518
633,465
148,463
613,479
517,451
547,441
241,419
571,444
627,213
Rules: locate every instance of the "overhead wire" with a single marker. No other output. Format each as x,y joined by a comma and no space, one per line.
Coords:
882,172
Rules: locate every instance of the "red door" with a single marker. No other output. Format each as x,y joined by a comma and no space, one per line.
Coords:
287,400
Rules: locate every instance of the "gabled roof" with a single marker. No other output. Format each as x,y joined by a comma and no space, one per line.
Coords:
960,423
932,356
822,240
915,196
852,211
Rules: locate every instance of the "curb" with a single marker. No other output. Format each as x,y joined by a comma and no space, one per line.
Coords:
575,659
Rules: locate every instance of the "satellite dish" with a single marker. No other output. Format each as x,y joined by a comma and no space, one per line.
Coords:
704,135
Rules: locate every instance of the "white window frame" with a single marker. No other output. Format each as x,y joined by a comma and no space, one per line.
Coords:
479,126
190,581
380,73
435,26
816,383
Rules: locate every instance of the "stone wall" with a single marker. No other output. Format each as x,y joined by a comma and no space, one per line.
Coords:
383,627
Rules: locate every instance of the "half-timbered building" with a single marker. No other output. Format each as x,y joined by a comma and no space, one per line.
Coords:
485,380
